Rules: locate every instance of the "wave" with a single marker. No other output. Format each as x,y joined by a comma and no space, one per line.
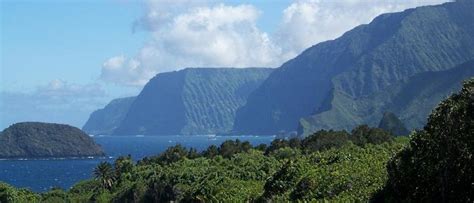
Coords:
57,158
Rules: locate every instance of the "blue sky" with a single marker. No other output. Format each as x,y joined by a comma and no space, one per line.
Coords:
60,60
69,40
43,41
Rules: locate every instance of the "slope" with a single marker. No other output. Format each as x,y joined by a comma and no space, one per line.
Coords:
105,121
191,101
364,61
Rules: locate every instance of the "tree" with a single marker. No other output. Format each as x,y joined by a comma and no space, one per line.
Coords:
211,152
123,165
323,140
294,142
283,180
438,164
245,146
261,147
173,154
363,134
231,147
276,144
105,174
193,153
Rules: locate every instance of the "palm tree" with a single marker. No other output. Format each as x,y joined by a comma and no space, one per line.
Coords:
105,174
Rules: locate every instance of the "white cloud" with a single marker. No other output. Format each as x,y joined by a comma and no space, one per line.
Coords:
159,12
57,101
188,33
308,22
218,36
62,89
60,95
210,36
126,71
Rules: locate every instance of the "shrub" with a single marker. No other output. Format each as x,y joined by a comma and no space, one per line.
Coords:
438,164
364,134
211,151
323,140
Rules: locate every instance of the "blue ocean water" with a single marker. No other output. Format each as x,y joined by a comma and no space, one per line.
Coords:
42,174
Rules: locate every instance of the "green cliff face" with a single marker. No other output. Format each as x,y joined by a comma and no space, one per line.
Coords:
40,140
105,121
332,80
191,101
413,99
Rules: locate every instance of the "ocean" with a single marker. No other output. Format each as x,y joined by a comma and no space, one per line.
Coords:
42,174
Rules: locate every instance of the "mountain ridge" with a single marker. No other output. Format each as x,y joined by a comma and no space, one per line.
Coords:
413,99
365,60
191,101
104,121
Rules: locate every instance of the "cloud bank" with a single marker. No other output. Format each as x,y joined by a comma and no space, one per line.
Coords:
307,22
189,33
57,102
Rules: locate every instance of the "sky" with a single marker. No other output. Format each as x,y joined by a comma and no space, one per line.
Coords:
61,60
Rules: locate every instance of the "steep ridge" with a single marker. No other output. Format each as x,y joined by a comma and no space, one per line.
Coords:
105,121
413,99
364,61
191,101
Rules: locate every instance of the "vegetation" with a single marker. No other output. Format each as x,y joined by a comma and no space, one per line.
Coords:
354,78
105,174
238,171
34,139
435,164
438,163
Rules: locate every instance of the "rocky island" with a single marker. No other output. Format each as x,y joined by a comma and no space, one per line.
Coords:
42,140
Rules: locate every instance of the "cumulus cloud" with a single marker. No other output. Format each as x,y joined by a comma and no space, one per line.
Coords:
214,36
307,22
57,101
127,71
188,33
159,12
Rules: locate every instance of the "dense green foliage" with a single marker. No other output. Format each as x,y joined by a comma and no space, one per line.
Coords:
34,139
105,174
11,194
191,101
105,121
438,164
413,99
354,79
237,171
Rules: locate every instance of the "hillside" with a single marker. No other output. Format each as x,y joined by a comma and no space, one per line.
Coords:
39,140
105,121
413,99
332,79
364,165
437,164
191,101
392,124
